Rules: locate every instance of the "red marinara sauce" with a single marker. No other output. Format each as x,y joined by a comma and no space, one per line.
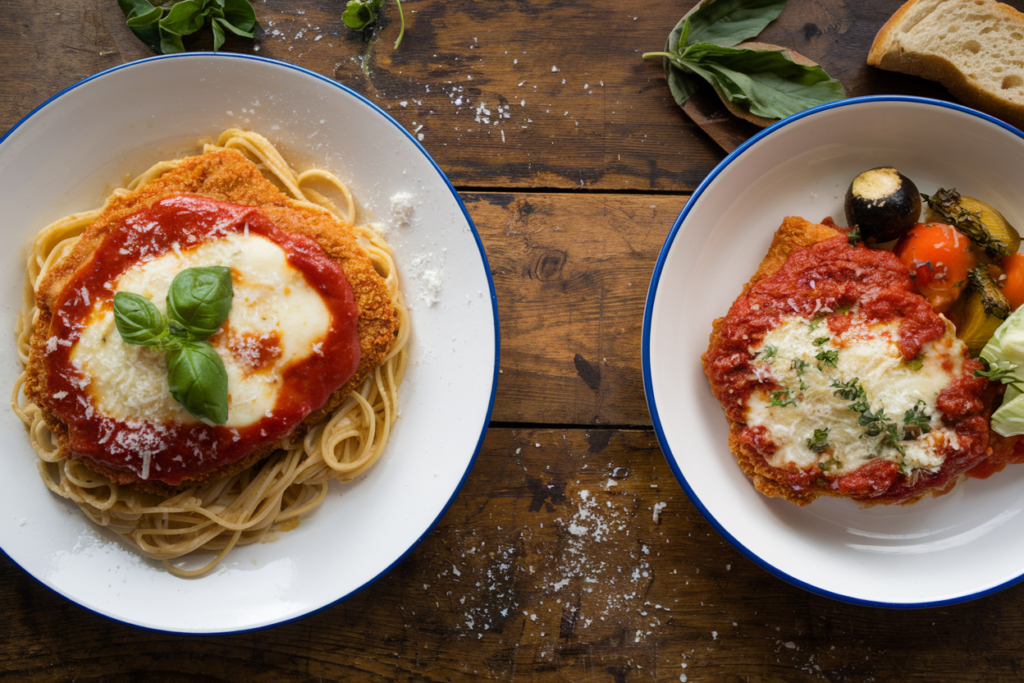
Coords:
823,281
171,453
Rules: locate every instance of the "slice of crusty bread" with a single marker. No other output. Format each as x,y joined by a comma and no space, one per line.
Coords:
973,47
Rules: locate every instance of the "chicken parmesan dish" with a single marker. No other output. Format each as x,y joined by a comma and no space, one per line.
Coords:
838,379
869,373
209,349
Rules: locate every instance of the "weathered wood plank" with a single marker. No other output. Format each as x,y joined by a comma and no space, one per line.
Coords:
571,272
478,79
550,566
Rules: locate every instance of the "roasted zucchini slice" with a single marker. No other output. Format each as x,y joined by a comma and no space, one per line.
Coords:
977,220
985,310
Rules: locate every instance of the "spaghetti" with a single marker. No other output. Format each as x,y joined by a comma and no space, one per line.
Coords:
273,494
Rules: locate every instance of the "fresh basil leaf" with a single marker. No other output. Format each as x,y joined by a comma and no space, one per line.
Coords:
359,15
138,321
186,17
729,22
234,29
140,12
200,299
681,83
766,83
680,36
198,381
142,18
218,34
239,17
162,23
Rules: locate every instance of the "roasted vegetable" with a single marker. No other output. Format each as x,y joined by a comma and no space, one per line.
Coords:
977,220
985,311
883,203
1013,284
1002,360
939,258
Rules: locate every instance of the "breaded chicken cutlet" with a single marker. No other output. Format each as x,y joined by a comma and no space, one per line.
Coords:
223,176
838,379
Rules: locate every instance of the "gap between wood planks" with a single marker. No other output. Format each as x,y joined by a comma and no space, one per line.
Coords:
505,424
488,189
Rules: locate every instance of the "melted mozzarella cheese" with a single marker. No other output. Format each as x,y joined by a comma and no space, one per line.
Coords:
271,299
809,400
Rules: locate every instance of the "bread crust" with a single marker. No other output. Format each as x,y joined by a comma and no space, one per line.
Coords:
888,52
224,175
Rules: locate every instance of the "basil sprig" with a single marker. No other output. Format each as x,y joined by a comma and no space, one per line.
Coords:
360,14
765,83
200,300
160,24
198,303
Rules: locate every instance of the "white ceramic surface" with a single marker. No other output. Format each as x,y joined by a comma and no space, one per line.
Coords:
939,550
68,154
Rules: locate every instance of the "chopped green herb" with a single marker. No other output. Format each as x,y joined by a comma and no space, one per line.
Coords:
848,391
875,424
1000,371
826,465
828,358
819,441
853,235
813,325
799,366
915,363
768,352
879,423
891,438
915,422
820,340
782,398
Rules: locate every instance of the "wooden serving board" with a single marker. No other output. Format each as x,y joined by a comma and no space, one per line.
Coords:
708,112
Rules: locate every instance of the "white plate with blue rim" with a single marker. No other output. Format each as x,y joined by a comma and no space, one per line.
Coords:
938,551
68,155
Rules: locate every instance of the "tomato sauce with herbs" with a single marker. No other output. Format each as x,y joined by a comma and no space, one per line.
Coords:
171,453
823,282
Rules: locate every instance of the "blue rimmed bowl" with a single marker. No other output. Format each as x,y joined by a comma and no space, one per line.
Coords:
69,153
942,550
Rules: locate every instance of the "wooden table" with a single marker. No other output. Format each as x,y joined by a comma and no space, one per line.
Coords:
573,196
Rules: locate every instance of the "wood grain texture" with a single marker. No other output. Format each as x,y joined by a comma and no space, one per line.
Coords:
573,190
482,82
549,566
571,272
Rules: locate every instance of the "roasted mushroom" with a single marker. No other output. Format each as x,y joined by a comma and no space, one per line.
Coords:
883,204
977,220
